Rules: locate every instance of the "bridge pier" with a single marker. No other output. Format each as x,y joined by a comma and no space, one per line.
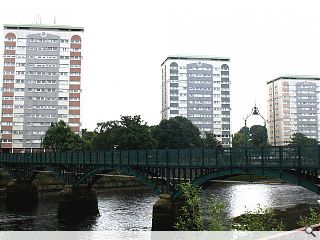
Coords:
21,194
166,212
78,202
163,214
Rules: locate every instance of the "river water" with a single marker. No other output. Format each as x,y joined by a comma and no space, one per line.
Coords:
132,209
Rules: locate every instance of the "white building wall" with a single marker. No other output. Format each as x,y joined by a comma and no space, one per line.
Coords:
63,86
216,104
283,123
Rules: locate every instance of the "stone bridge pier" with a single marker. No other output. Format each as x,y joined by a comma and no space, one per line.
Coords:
166,212
20,194
78,202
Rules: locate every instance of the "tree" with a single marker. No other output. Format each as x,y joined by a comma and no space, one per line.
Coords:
177,132
256,136
239,139
106,135
189,218
128,133
216,213
87,138
135,134
301,139
60,137
210,141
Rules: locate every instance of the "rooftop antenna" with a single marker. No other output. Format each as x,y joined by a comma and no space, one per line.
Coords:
54,20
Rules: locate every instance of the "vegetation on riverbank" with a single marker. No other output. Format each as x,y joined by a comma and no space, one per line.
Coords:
299,216
260,219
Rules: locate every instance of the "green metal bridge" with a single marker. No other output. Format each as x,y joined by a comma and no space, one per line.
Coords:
163,170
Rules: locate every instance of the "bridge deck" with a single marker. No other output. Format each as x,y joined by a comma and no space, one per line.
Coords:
302,157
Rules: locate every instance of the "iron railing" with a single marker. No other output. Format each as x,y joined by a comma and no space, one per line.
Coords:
302,157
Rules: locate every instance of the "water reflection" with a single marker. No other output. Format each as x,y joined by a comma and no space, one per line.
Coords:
18,219
247,197
77,224
132,210
238,197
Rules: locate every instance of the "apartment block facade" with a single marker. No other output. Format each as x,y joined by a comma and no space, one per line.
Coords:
198,88
293,107
41,83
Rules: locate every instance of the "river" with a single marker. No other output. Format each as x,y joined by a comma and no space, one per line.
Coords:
124,210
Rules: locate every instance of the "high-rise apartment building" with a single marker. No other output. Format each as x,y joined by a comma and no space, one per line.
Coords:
41,83
198,88
293,107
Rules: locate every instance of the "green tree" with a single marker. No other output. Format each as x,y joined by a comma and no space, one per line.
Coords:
258,136
177,132
301,139
210,141
190,217
87,138
106,135
239,139
60,137
135,134
128,133
216,213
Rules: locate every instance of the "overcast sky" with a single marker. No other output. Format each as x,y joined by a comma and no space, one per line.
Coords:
125,42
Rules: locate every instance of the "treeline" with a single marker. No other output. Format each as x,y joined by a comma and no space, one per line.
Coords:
257,136
130,132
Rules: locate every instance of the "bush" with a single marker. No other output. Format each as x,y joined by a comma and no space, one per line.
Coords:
313,218
216,213
190,218
258,220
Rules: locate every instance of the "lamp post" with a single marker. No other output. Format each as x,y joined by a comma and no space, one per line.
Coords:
254,111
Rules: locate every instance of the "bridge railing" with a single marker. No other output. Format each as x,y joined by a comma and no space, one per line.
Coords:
266,157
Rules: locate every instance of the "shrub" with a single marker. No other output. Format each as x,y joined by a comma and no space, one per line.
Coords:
258,220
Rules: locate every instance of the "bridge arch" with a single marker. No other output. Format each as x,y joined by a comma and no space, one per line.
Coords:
125,170
286,176
27,170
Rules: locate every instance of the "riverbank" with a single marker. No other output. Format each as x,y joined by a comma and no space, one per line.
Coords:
254,179
50,186
289,216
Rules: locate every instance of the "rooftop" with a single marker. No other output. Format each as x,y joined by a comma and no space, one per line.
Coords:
196,57
296,77
43,26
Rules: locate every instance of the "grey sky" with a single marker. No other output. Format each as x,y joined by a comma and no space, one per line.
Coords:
127,40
